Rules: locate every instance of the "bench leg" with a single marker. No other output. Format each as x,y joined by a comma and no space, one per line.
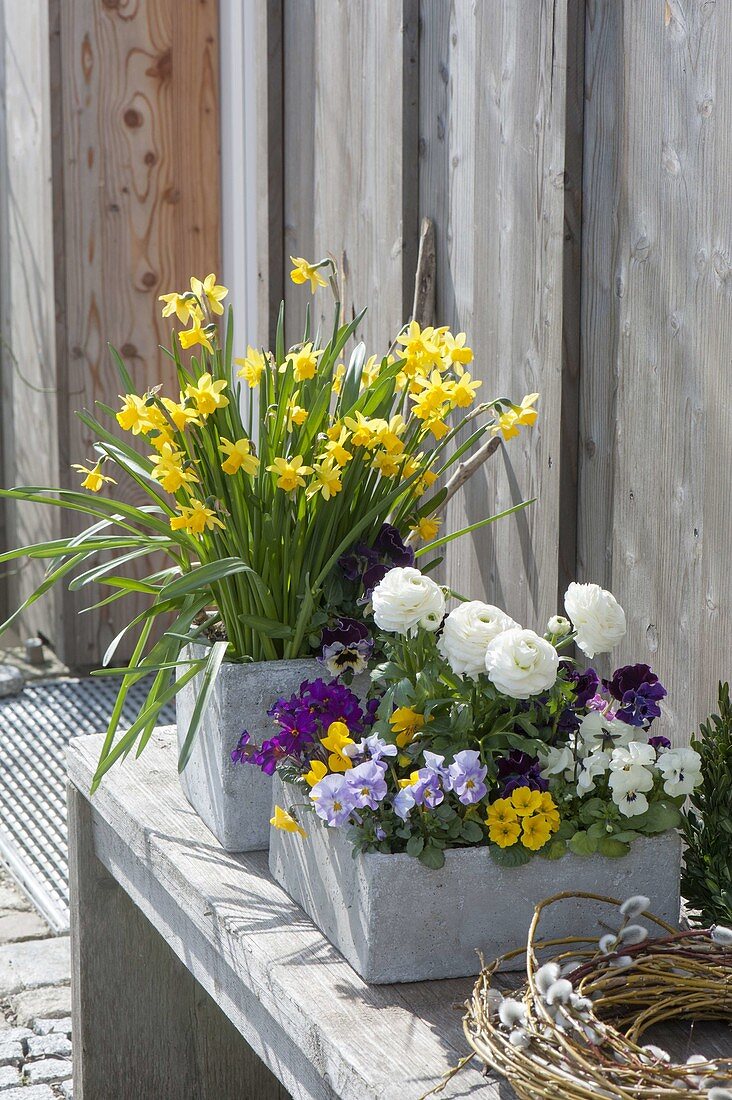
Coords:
142,1025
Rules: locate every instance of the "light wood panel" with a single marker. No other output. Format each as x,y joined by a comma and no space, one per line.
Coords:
492,112
656,523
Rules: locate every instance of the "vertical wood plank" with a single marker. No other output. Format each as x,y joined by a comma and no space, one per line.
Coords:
492,128
271,229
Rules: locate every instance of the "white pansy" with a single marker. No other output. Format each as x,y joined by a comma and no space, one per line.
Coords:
681,770
599,732
521,664
559,626
405,600
557,761
590,768
628,757
467,632
628,787
597,617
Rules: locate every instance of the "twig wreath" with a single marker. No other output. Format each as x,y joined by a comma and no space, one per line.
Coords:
574,1029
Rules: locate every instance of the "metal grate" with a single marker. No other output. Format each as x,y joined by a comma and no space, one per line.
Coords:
35,728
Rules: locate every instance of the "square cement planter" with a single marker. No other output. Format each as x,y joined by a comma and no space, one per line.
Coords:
395,920
235,800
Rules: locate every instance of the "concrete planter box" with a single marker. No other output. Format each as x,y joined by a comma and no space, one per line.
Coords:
395,920
235,800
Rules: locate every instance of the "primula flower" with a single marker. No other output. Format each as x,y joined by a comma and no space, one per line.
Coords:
406,724
535,832
304,272
326,480
327,703
304,362
195,519
283,820
238,456
180,304
196,334
209,290
333,799
291,472
368,784
169,469
94,479
207,395
427,528
251,367
335,742
242,752
505,833
525,801
467,777
346,645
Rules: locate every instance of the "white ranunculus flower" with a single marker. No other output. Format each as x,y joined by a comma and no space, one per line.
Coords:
559,626
521,664
597,617
467,632
405,600
681,770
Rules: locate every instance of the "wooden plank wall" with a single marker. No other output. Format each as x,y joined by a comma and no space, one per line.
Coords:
656,428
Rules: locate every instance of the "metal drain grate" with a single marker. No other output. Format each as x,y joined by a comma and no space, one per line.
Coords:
35,728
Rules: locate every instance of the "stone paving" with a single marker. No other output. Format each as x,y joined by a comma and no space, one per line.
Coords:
35,1003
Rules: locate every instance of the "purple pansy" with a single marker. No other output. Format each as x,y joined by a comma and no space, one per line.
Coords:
333,799
586,683
659,742
389,544
518,769
639,691
374,747
346,645
403,802
427,791
467,775
367,783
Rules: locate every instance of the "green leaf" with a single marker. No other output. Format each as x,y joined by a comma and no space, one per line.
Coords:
208,683
472,831
415,844
612,847
472,527
582,844
555,849
514,856
659,818
267,626
203,576
432,856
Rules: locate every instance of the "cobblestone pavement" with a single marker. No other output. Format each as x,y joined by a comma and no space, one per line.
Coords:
35,1003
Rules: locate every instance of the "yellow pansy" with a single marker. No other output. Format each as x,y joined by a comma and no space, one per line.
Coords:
406,724
169,469
454,350
504,833
427,528
304,362
94,479
326,480
180,413
207,395
251,366
536,831
182,305
303,272
133,417
285,821
338,375
335,742
290,472
195,334
318,771
525,801
209,290
239,456
464,391
336,448
296,414
195,518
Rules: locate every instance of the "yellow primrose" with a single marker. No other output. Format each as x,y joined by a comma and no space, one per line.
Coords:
318,771
326,480
283,820
251,366
548,809
195,518
239,456
336,741
536,831
336,448
370,372
290,472
207,394
427,528
303,272
501,812
209,290
169,469
296,414
464,391
195,334
454,350
304,362
182,305
94,479
406,724
504,833
133,417
525,801
180,413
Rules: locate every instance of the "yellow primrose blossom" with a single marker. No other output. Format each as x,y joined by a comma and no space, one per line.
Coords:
207,394
464,391
304,362
336,741
180,413
536,831
133,416
525,801
291,472
182,305
504,833
283,820
454,350
251,366
500,812
336,448
338,375
239,456
387,465
318,771
406,724
195,334
326,480
370,372
427,528
303,272
94,479
549,810
195,518
169,469
209,290
296,414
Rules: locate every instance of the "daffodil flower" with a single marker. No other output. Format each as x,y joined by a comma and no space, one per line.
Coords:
209,290
454,349
195,334
304,363
94,479
238,456
195,518
336,448
251,367
182,305
207,394
180,413
133,416
291,473
427,528
326,480
303,272
170,470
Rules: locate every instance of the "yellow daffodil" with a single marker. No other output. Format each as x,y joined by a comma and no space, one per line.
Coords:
364,431
427,528
326,480
464,391
454,350
133,417
526,414
318,771
336,448
420,349
386,464
338,375
239,456
335,742
251,367
428,478
94,479
536,831
290,472
180,413
209,290
437,425
170,470
195,518
504,833
207,395
370,372
388,433
304,363
303,272
506,425
196,334
525,801
509,422
283,820
296,414
182,305
406,724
